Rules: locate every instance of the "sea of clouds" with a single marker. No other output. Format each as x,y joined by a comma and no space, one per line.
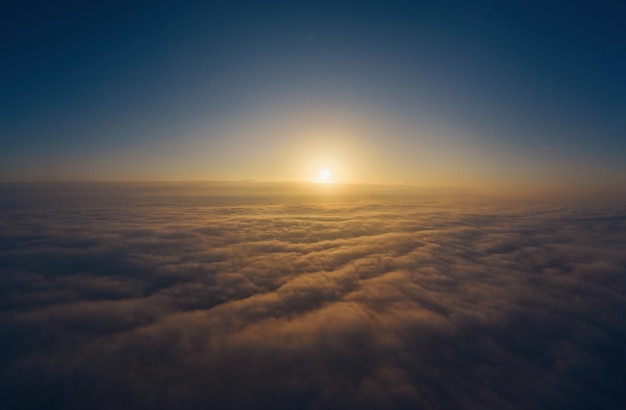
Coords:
412,302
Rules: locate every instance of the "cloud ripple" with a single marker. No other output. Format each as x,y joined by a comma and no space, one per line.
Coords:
431,304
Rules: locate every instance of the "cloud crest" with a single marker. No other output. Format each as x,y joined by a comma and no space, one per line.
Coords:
365,304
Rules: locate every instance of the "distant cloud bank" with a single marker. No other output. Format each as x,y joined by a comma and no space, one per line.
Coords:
375,303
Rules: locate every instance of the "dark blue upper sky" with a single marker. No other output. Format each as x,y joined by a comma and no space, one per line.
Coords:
109,89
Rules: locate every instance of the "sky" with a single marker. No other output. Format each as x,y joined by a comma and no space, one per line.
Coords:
507,95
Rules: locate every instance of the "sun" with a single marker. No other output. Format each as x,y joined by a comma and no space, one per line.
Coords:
324,176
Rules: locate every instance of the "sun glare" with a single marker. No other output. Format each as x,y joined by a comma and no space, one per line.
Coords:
324,176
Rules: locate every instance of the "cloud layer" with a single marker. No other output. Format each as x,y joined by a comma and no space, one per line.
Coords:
369,304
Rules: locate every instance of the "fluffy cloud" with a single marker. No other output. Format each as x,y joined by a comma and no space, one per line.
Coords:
366,303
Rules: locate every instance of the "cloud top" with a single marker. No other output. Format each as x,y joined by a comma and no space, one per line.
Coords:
369,304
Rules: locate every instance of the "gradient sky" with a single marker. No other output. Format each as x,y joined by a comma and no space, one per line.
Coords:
469,94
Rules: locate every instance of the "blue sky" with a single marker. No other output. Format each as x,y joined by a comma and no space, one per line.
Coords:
457,93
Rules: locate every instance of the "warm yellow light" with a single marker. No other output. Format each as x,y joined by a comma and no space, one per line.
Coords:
324,176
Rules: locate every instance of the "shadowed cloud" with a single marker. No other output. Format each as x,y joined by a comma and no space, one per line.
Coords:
375,302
